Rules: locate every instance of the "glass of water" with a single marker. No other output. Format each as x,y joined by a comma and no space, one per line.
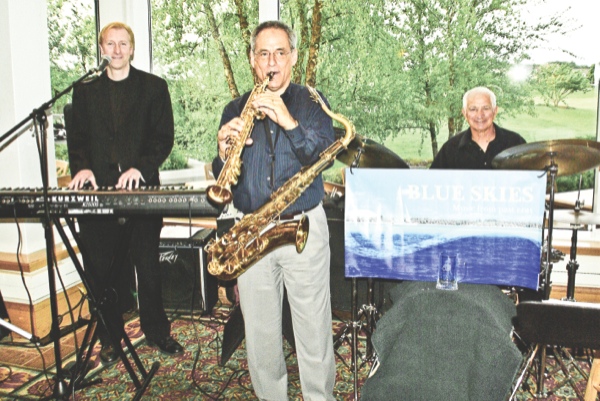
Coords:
447,272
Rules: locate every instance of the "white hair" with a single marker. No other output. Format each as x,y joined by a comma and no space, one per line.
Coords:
479,89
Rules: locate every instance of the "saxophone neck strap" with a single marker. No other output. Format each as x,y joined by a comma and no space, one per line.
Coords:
269,134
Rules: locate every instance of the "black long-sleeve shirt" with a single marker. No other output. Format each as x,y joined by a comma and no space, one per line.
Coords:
294,149
117,125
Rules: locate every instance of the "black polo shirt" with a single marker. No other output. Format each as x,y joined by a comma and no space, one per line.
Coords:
462,153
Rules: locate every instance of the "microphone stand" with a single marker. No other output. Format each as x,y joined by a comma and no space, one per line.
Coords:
39,118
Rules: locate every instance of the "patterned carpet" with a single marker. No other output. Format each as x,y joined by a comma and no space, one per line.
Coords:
196,374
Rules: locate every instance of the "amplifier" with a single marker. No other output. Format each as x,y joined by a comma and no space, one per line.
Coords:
187,287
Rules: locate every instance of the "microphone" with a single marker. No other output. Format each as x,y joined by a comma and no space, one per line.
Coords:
103,64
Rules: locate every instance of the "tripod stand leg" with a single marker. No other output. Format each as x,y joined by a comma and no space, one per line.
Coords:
60,387
355,325
565,369
541,372
524,369
82,363
102,310
140,392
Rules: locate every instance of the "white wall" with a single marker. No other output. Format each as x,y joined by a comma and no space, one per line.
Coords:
25,86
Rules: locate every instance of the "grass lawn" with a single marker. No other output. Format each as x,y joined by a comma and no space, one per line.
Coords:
577,121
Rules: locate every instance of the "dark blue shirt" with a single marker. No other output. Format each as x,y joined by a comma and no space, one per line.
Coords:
293,150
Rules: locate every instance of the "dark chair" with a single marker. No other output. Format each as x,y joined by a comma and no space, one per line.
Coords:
551,327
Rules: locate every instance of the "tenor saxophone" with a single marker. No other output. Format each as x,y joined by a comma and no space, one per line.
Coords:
220,192
259,233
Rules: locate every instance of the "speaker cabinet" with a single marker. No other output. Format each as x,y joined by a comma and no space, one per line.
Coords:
187,287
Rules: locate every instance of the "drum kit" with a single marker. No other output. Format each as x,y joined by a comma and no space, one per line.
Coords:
555,158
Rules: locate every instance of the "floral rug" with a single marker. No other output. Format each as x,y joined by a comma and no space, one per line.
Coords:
197,374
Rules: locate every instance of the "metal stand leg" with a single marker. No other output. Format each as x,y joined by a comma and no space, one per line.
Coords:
101,312
363,319
572,267
371,315
355,326
540,352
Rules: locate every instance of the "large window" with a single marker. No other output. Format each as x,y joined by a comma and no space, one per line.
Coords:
396,70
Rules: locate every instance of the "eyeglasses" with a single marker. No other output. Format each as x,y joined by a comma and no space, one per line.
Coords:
278,55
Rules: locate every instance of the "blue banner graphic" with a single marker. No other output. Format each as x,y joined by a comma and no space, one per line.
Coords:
398,222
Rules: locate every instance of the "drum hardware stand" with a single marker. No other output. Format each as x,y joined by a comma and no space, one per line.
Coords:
361,319
535,156
349,332
541,350
39,118
573,265
552,171
371,314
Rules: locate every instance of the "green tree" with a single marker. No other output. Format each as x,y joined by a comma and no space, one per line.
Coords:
199,48
72,44
591,74
556,81
450,46
392,68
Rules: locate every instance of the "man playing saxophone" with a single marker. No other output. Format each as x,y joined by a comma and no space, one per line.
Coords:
293,133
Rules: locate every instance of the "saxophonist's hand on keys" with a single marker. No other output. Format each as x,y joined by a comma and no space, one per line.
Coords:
83,178
227,131
272,105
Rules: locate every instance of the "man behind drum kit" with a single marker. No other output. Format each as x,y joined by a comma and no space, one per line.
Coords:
442,345
476,147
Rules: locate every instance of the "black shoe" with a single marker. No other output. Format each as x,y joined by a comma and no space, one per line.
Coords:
108,355
167,345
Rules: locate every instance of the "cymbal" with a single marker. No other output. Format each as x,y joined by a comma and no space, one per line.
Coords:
374,155
576,218
571,156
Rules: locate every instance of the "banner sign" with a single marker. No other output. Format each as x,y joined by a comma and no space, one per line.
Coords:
399,222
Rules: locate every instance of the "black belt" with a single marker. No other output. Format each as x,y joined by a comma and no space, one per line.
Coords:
290,216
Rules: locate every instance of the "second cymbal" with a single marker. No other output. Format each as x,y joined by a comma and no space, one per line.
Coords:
576,218
374,155
571,156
